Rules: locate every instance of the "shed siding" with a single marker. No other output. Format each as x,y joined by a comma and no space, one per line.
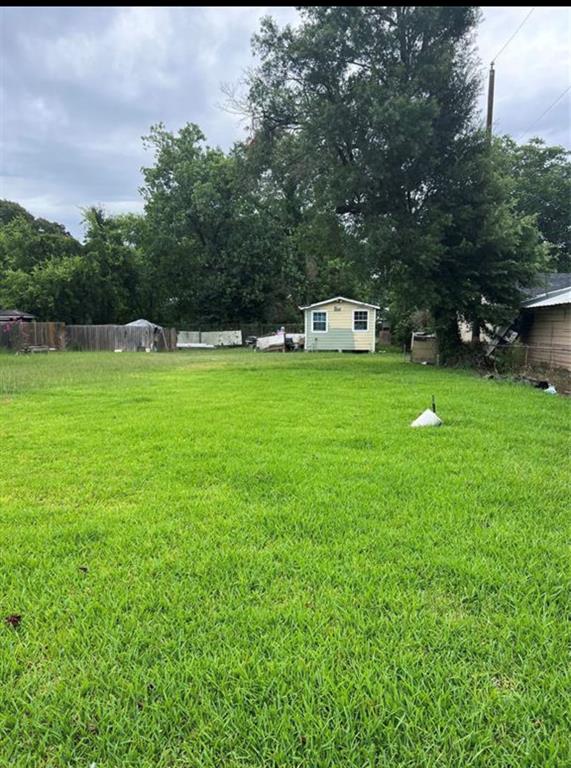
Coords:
424,350
549,337
340,333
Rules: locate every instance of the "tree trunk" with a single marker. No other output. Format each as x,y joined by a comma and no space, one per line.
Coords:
448,334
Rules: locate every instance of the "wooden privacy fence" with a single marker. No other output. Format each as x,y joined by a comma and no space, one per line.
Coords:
96,338
18,335
23,336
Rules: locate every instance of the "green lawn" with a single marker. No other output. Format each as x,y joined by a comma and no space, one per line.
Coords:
237,560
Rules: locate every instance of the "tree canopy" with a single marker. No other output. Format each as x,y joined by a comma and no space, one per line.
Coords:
366,173
383,101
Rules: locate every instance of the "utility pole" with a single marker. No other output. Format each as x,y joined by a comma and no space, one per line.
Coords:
490,115
489,121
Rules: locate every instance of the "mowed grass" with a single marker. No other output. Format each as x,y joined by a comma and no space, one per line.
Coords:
233,560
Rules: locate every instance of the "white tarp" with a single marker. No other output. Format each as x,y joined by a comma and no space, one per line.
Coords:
267,343
141,323
222,338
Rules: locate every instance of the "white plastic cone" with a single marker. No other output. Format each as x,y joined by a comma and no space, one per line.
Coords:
427,419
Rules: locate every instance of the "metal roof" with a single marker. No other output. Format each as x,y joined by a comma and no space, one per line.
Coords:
341,298
551,299
15,313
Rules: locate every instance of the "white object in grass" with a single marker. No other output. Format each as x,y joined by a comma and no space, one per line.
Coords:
427,419
550,390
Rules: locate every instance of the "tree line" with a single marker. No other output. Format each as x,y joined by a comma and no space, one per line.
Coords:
366,174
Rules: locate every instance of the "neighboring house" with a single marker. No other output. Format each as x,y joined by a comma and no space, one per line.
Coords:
545,328
546,282
340,325
543,324
13,315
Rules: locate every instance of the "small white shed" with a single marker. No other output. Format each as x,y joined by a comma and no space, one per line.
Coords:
340,325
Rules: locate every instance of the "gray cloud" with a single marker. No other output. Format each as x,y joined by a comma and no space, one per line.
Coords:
80,86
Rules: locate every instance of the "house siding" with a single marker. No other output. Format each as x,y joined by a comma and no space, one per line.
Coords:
340,334
549,337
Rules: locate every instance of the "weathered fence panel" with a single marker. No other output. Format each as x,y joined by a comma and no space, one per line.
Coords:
46,335
98,338
20,336
11,336
232,336
166,340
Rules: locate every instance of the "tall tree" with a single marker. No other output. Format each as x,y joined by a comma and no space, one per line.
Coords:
319,255
383,102
542,176
41,267
215,247
46,271
112,263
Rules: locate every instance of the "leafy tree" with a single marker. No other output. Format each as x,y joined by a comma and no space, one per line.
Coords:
9,210
44,270
320,257
40,266
542,176
214,247
112,263
26,242
55,290
382,102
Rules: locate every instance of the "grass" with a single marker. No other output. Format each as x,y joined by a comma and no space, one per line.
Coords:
238,560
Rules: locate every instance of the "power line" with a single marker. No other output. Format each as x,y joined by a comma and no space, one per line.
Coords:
512,37
492,77
549,108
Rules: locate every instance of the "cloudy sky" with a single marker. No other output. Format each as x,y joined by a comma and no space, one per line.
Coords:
80,86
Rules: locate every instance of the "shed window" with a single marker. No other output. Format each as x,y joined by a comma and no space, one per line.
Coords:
360,320
319,322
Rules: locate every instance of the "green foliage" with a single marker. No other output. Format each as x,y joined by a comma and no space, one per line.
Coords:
365,176
41,267
231,239
210,253
54,290
9,210
542,189
382,102
112,265
44,270
199,590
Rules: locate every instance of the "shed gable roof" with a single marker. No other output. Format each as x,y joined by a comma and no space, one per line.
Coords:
15,313
340,298
550,299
